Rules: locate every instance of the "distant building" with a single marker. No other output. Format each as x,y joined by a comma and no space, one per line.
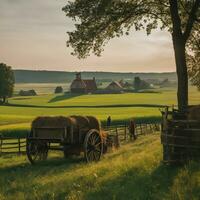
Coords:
127,85
114,86
80,85
121,82
27,93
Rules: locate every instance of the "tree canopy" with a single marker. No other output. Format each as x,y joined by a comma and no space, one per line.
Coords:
140,84
97,21
6,81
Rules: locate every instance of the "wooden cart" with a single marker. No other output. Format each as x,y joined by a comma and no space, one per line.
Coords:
71,139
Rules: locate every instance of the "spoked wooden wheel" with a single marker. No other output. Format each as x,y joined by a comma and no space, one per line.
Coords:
36,151
93,146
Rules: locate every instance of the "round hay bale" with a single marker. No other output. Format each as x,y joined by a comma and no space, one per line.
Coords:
80,121
55,122
194,112
94,123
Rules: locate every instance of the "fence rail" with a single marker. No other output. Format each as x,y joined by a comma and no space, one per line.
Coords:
17,145
12,145
124,135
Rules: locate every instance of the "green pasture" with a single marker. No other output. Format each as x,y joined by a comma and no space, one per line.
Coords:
13,118
144,106
40,88
135,171
165,96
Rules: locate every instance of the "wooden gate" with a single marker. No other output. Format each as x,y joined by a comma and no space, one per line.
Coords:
180,138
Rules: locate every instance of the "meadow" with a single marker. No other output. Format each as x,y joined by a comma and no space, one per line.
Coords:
135,171
143,106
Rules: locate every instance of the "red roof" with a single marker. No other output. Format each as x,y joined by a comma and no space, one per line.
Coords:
90,85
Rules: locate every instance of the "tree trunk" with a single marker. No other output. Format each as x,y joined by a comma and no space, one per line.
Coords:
182,74
4,100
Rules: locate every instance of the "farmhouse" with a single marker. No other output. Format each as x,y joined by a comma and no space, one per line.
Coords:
80,85
114,86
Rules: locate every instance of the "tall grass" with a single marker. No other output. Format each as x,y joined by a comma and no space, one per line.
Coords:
135,171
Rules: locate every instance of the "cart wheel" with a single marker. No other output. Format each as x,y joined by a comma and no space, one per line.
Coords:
36,151
93,146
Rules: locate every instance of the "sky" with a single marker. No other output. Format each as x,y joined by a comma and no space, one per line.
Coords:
33,36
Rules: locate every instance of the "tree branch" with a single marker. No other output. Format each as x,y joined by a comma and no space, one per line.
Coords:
176,21
191,20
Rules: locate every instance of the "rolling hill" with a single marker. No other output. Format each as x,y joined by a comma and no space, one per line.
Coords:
31,76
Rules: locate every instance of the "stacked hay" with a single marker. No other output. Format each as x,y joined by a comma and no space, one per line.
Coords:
78,124
94,123
194,112
80,121
181,138
52,122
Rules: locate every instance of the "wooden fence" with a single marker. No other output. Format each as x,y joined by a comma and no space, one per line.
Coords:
12,145
123,133
18,145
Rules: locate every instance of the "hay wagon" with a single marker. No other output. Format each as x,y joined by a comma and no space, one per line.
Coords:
74,135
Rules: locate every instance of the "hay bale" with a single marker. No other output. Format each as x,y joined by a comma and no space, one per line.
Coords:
94,123
54,122
194,112
80,121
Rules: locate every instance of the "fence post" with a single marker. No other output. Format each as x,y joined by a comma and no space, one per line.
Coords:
118,140
19,145
155,127
146,126
151,128
125,136
141,128
1,144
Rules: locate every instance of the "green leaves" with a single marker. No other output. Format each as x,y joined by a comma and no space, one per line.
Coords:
101,20
6,81
98,21
193,56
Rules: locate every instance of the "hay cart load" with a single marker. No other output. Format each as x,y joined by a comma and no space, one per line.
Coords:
74,134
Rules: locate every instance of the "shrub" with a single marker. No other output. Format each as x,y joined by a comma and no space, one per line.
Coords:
58,89
27,93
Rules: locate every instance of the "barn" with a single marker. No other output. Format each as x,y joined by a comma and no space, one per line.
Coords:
114,86
80,85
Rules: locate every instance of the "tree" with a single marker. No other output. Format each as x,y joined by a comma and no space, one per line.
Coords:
6,82
98,21
58,89
140,84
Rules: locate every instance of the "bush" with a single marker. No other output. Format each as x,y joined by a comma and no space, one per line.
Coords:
140,84
27,93
7,81
58,89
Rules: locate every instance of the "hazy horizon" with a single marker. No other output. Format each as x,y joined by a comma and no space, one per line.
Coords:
82,71
33,37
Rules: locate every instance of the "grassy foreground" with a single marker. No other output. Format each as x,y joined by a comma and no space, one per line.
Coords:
135,171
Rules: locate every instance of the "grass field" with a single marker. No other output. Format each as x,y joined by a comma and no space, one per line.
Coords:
135,171
40,88
121,107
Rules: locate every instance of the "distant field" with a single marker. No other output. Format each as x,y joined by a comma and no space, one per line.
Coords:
163,96
40,88
46,88
121,107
